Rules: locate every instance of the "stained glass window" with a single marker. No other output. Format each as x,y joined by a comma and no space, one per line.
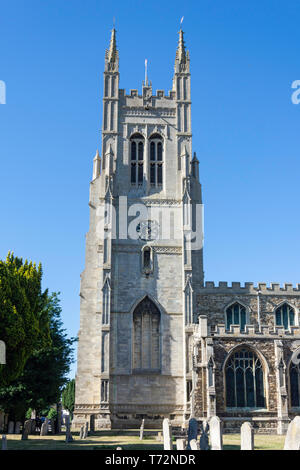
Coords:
156,157
285,316
244,380
236,315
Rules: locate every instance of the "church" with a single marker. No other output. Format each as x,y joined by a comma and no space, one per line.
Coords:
155,339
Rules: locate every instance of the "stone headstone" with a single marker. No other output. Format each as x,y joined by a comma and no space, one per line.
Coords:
18,427
142,430
194,444
11,427
26,429
216,436
4,443
204,428
292,438
44,429
119,448
86,430
81,432
167,432
192,431
69,437
247,436
180,444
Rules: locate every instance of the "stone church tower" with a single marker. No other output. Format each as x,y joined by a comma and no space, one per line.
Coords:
144,264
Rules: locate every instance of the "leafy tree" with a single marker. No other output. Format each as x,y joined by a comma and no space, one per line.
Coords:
24,321
68,396
45,372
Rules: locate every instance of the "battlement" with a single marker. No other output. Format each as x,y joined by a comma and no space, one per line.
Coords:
135,94
204,330
250,288
252,330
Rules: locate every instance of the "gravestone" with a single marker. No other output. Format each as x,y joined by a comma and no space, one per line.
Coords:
44,428
247,436
86,430
11,427
292,438
180,444
119,448
142,430
26,429
81,432
194,444
192,431
69,437
216,437
167,432
204,428
18,427
4,443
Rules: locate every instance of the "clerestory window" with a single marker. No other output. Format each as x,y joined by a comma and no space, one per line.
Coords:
236,315
285,316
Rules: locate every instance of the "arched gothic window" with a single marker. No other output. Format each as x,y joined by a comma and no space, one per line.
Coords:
137,159
285,316
156,160
295,380
244,380
236,315
146,336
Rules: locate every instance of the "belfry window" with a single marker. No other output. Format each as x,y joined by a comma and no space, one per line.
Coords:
146,336
137,159
236,315
156,160
295,381
285,316
244,380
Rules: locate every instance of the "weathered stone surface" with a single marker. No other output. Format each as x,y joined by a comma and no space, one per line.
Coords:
247,436
292,439
180,444
194,445
192,431
167,432
216,436
11,427
142,430
204,440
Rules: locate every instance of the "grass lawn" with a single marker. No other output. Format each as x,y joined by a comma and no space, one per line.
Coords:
101,441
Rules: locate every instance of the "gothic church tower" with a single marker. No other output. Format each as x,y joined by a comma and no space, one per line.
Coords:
144,263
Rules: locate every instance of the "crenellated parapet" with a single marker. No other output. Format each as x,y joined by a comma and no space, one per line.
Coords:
249,288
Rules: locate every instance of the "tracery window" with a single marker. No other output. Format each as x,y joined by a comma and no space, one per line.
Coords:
156,160
146,336
285,316
137,159
236,315
295,380
244,380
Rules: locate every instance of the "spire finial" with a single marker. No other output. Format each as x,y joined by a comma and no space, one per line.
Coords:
180,53
146,72
112,51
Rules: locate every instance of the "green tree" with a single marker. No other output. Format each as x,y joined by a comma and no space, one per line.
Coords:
45,373
24,321
68,396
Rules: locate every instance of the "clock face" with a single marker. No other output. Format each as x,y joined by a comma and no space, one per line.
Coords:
148,230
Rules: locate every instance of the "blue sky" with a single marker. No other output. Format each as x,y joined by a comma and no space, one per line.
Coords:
244,58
